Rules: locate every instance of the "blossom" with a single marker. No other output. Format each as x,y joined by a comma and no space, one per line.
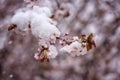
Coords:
46,53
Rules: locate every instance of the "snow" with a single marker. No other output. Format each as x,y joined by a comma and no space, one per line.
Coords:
21,20
43,10
52,52
74,49
42,26
43,29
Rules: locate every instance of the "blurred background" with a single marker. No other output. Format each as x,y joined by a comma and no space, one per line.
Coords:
100,17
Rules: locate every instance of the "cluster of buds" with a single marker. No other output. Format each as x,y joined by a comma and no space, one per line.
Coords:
73,45
42,54
45,53
77,46
86,41
38,20
66,39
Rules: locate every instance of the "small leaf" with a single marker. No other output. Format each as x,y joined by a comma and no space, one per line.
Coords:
90,37
13,26
88,46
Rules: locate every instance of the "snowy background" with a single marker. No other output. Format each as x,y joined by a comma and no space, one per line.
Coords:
101,17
